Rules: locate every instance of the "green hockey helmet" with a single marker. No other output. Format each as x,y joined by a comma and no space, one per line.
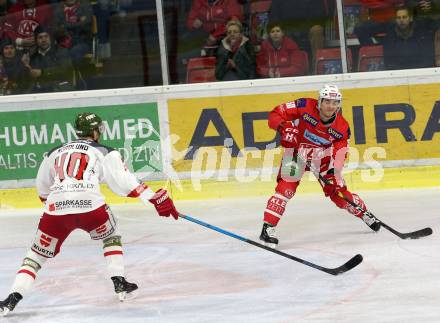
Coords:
86,122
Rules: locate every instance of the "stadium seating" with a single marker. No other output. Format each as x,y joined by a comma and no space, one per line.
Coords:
328,61
371,58
201,69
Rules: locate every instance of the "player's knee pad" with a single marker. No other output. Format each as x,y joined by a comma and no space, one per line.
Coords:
112,247
114,240
32,256
32,263
286,189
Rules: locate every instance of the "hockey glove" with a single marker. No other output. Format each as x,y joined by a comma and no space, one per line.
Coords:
288,134
163,204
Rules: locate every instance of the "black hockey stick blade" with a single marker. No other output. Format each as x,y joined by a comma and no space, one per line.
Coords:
353,262
350,264
409,235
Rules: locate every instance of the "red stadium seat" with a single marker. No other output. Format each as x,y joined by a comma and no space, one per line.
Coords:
328,61
201,69
371,58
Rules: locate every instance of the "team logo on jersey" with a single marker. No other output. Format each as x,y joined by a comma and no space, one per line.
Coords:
290,105
309,119
301,103
316,139
335,134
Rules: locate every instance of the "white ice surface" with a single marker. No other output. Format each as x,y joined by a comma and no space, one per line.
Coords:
188,273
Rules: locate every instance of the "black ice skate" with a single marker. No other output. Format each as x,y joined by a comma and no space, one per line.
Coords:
9,303
123,287
268,235
371,221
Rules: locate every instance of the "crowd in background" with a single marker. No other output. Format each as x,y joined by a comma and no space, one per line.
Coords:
52,45
291,36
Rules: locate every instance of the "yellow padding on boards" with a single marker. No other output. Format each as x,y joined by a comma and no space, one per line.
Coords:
359,180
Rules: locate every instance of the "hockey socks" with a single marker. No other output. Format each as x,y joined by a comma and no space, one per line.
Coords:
27,273
360,211
114,256
276,205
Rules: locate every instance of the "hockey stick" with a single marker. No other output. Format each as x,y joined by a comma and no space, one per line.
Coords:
350,264
409,235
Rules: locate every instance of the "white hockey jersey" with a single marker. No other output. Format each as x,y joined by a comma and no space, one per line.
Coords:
69,176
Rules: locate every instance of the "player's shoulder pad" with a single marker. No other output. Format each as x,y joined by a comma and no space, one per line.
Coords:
101,148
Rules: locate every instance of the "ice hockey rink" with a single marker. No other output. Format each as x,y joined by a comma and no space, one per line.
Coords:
189,273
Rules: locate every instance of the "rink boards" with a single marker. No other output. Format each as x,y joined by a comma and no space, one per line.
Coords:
212,140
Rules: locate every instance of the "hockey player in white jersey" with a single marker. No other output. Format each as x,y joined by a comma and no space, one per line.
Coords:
68,183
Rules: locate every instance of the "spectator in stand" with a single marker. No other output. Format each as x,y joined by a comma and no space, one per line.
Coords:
279,55
73,25
211,16
16,77
22,20
430,8
408,43
4,6
50,66
303,21
235,55
102,9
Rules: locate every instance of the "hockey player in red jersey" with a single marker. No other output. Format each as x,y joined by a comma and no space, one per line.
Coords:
68,182
315,136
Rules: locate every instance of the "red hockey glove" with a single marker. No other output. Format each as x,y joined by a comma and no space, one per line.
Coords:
331,185
163,204
288,135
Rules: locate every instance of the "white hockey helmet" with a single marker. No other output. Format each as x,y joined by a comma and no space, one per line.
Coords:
331,92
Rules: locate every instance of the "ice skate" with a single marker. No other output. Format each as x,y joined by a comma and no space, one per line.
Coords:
123,288
9,303
268,236
371,221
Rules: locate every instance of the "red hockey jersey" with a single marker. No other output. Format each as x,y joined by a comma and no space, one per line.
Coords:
330,141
